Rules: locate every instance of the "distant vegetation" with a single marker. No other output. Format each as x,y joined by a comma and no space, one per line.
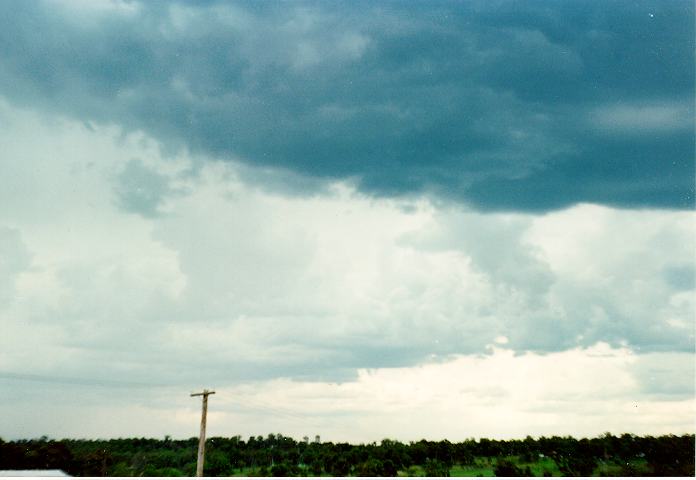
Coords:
278,455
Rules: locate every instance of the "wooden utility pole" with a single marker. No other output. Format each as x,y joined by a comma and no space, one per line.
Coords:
201,440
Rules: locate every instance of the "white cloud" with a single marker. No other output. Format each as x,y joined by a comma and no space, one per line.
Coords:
638,119
609,267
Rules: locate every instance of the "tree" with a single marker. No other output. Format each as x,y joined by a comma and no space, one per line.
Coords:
283,470
435,468
217,464
505,468
339,467
575,464
316,468
671,456
371,468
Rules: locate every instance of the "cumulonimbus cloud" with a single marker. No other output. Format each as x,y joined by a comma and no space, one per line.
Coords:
476,102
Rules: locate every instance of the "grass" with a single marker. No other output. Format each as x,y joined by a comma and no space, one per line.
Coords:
472,471
610,469
484,467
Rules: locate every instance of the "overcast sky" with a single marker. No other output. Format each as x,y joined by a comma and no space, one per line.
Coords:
359,220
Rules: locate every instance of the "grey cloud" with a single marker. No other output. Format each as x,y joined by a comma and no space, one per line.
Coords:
141,189
478,102
665,375
14,258
680,277
495,248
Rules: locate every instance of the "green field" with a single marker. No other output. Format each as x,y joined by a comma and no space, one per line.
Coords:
485,467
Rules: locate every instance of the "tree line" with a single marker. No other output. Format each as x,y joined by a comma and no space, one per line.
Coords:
279,455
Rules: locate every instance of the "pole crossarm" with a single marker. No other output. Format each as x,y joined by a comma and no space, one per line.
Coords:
204,392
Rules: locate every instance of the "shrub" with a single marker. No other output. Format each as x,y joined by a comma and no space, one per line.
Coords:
505,468
435,468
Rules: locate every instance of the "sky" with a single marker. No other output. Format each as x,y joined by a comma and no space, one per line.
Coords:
358,220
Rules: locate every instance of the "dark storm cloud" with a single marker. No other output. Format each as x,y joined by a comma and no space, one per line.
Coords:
503,105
